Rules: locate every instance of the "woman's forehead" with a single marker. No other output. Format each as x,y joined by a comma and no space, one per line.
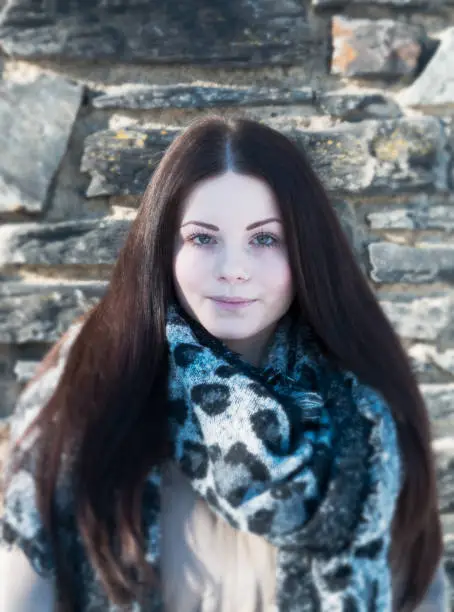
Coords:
230,195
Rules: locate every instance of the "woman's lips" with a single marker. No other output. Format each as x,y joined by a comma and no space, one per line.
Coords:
232,303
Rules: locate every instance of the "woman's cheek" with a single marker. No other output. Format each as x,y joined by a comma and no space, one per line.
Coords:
191,265
275,269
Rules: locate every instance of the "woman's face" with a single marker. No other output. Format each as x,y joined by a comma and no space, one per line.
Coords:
231,267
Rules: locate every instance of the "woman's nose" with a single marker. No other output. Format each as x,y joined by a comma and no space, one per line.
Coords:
233,268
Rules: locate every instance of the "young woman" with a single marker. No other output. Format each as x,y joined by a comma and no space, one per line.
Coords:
235,425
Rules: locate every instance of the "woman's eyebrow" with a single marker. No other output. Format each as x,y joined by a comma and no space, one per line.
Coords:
202,224
249,227
264,222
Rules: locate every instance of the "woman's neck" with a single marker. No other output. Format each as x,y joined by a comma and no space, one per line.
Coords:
252,349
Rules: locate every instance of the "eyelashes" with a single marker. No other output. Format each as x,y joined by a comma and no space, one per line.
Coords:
262,240
198,239
268,239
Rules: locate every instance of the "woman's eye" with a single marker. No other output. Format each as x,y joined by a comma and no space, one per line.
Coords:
265,240
201,239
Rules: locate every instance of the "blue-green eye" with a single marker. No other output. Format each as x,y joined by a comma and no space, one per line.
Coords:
266,240
200,239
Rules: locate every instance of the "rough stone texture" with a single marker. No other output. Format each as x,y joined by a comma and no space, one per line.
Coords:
4,435
382,48
413,217
435,86
182,95
372,156
426,263
87,242
43,316
36,119
8,381
358,106
395,3
239,32
419,318
66,198
448,531
444,452
25,371
439,401
43,286
431,365
121,162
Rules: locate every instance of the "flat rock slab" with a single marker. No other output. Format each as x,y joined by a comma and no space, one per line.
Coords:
432,365
413,217
145,97
343,105
435,86
322,4
425,263
440,404
448,537
445,475
374,48
419,318
25,370
365,158
358,106
92,242
238,32
36,119
4,450
43,316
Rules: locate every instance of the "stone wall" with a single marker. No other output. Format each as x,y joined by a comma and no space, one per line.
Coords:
93,91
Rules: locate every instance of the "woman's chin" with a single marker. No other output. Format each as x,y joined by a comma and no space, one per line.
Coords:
234,330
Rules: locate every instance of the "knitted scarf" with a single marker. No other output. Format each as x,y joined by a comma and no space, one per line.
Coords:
297,451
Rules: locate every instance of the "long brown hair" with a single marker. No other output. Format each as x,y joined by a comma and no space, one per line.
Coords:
110,402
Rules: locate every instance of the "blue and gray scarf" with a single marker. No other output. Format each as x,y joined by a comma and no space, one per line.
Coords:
296,451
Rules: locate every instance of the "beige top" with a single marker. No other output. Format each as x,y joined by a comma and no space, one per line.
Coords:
208,566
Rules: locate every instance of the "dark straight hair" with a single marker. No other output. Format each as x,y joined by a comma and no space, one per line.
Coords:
111,397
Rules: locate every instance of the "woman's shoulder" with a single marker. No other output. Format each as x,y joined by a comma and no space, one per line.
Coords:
21,526
43,383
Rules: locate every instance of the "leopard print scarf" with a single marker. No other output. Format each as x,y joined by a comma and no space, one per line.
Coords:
295,451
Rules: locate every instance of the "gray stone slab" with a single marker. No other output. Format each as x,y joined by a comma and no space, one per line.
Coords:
43,316
435,85
378,48
432,365
448,533
239,32
181,95
369,157
90,242
425,263
419,318
18,288
121,162
439,400
328,4
358,106
25,370
444,454
413,217
36,119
